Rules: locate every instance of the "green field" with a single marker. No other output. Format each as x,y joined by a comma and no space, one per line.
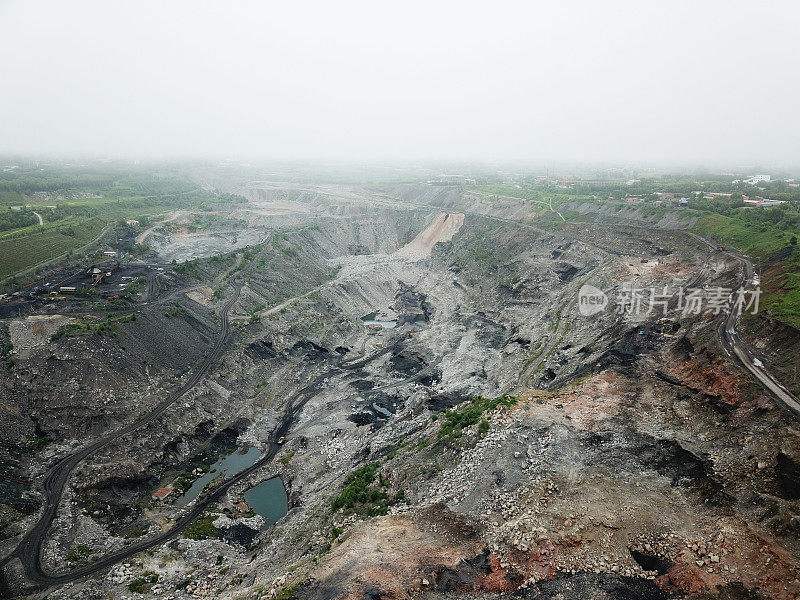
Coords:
20,252
86,198
756,240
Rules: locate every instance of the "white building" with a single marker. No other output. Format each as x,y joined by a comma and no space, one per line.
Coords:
754,179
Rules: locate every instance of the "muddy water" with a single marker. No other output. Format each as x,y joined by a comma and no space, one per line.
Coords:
268,499
227,465
370,320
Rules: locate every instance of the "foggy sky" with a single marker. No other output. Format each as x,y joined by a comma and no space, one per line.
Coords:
594,80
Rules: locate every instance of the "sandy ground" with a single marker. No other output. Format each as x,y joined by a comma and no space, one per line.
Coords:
34,332
202,295
443,228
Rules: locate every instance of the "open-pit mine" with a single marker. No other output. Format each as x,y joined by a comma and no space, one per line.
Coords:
339,391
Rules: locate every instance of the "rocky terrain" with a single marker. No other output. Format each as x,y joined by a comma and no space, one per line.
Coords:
488,440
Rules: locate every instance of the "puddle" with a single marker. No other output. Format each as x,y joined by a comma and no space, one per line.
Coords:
229,465
370,320
268,499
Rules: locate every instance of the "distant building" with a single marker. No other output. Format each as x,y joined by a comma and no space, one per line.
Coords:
761,201
109,253
132,222
453,179
162,493
754,179
101,271
598,182
97,275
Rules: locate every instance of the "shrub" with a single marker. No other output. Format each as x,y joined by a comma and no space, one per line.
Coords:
141,585
361,495
78,553
202,528
455,421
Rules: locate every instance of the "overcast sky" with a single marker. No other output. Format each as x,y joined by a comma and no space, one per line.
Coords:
559,80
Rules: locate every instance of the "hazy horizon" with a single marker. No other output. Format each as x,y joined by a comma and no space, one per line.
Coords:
708,83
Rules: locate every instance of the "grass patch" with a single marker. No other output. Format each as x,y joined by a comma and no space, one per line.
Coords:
45,243
781,292
287,457
108,327
142,584
456,421
174,311
365,492
756,240
286,593
78,553
202,528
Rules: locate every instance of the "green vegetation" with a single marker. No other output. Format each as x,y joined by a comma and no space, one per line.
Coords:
202,528
35,444
455,421
143,583
17,219
77,202
78,553
108,327
764,234
365,492
189,267
183,482
287,457
133,531
281,243
286,593
755,238
6,356
393,452
174,311
781,290
23,251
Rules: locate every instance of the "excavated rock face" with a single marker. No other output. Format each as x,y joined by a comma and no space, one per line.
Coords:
787,472
597,587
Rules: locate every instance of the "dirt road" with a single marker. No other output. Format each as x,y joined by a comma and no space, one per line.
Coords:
29,549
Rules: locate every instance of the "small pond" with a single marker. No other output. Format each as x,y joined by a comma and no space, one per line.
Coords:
268,499
228,465
370,320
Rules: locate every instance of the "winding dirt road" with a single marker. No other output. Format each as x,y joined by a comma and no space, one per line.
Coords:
741,352
29,550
